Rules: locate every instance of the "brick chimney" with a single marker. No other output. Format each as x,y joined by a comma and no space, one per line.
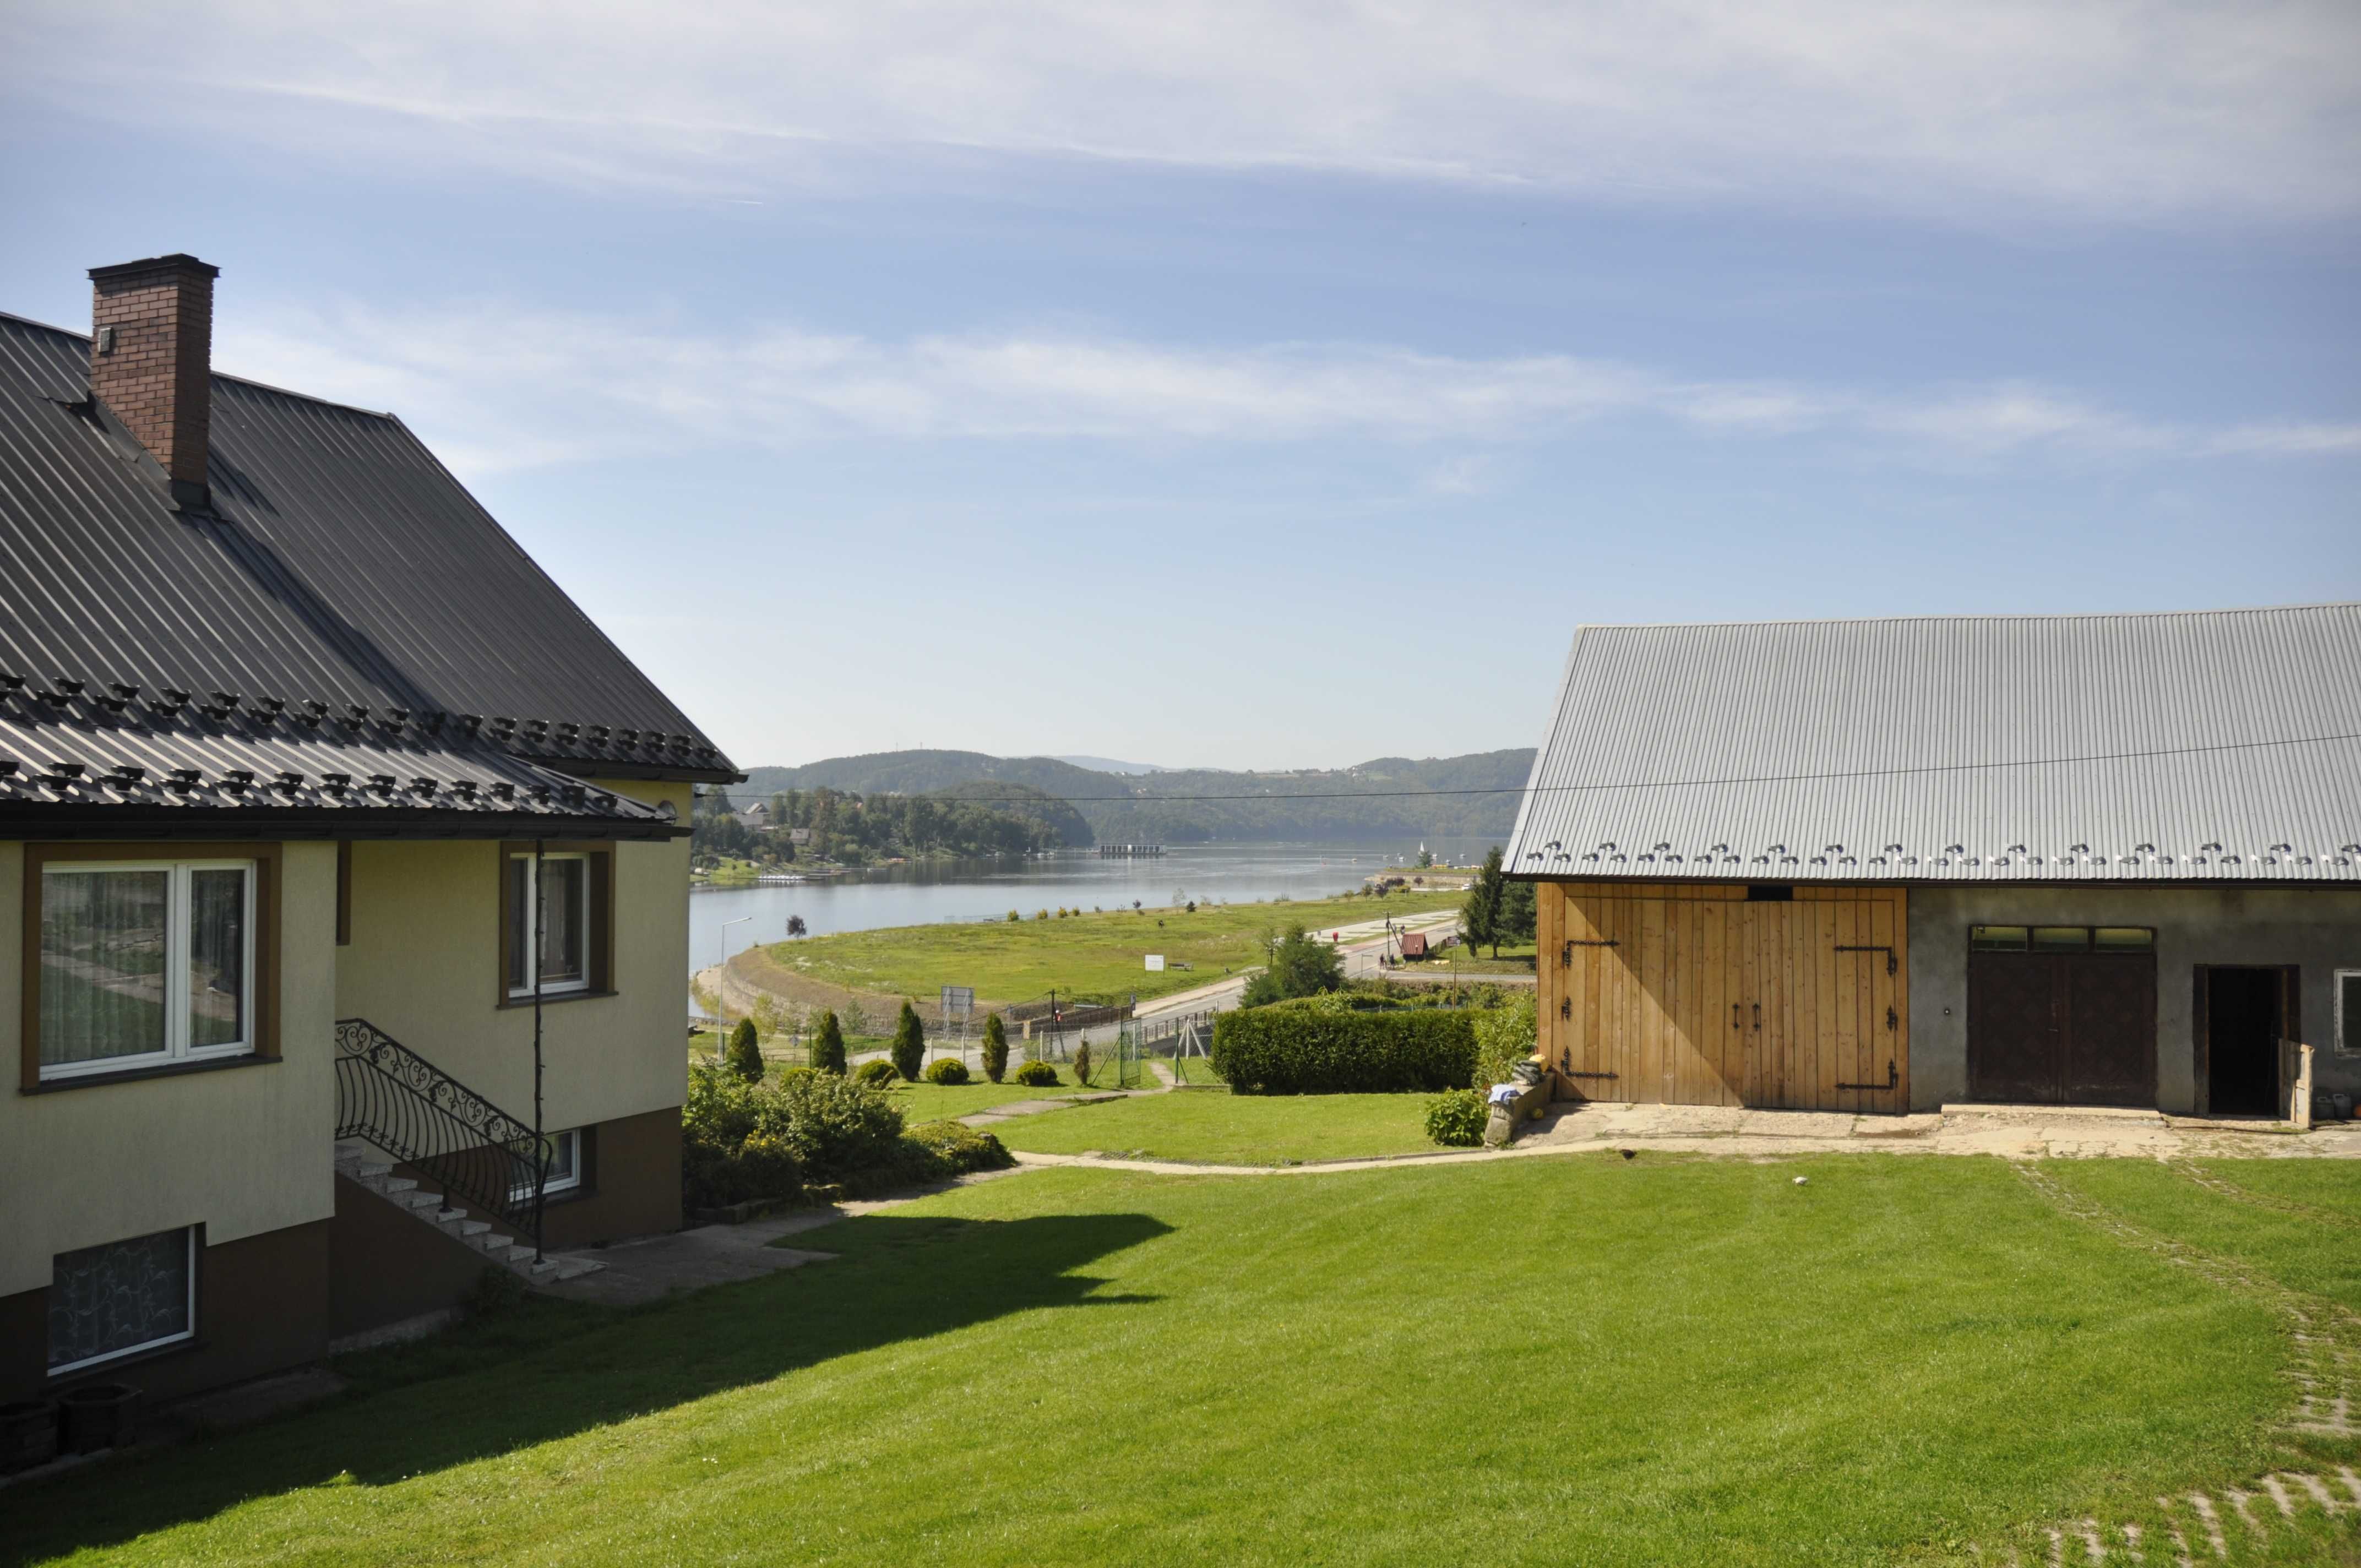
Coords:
151,360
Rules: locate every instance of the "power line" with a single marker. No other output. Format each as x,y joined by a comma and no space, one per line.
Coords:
1662,784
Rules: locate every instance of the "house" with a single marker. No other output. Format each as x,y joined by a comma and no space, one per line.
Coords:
1885,865
343,873
755,818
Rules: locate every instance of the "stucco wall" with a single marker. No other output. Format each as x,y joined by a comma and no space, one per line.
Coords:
423,967
244,1150
2319,930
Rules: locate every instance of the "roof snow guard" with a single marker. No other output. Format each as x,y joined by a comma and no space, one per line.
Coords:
2211,746
72,764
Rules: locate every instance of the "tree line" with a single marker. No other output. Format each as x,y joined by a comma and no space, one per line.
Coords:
846,827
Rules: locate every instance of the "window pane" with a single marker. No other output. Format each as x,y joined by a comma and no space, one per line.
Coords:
102,958
564,1172
216,956
564,883
103,1300
2060,938
1996,938
520,923
2123,939
2348,988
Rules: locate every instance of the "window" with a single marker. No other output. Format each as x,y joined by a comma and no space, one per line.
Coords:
551,922
2060,938
564,1168
2348,1012
2123,938
123,1297
145,963
1997,938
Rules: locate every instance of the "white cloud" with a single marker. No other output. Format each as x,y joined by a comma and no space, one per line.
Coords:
2119,107
500,388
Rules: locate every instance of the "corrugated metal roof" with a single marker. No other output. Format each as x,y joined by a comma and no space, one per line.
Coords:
341,564
68,762
2211,746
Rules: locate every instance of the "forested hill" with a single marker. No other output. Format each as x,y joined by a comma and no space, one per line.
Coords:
1168,807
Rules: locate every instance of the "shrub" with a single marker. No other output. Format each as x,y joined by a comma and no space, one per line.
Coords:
1034,1075
954,1148
876,1075
1456,1118
1300,966
1013,916
1082,1062
995,1048
909,1043
833,1125
1504,1036
744,1056
827,1045
729,1152
1305,1050
950,1069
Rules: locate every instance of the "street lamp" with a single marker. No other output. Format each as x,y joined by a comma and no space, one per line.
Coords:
720,991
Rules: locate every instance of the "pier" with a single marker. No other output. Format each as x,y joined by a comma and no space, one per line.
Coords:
1130,851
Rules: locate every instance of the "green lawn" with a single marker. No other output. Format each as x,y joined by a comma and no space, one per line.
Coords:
2317,1251
1218,1128
1098,957
932,1101
1548,1361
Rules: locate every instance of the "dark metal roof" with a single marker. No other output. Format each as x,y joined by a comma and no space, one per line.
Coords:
2212,746
82,763
339,563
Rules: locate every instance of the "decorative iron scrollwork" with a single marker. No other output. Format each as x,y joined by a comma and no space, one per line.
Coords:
478,1155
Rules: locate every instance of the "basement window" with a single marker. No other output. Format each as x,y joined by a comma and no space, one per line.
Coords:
145,964
564,1168
121,1299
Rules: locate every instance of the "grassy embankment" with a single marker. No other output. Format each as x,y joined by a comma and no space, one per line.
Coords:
1216,1128
1088,957
1661,1361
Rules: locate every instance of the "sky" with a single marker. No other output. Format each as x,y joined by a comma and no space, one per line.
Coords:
1261,385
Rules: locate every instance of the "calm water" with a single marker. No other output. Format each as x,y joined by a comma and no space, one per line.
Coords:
972,890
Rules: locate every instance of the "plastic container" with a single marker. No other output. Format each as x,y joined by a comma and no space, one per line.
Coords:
101,1415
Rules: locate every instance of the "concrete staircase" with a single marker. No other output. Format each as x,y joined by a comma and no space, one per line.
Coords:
369,1169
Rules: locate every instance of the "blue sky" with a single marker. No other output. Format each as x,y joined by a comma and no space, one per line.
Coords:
1263,385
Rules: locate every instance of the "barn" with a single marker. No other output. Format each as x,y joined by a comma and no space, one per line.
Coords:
1885,865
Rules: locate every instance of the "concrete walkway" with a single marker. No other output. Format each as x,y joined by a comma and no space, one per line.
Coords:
2010,1133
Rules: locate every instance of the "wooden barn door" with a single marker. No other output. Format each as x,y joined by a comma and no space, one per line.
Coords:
1698,996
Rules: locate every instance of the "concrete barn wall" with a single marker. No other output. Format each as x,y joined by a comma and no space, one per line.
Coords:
2319,929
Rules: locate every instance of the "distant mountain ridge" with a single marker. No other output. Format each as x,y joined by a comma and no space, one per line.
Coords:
1404,797
1109,766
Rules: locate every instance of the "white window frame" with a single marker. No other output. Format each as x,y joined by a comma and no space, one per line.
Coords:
2347,1046
188,1235
178,925
529,920
571,1139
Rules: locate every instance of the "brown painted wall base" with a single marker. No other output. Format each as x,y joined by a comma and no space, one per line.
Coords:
261,1308
631,1181
385,1265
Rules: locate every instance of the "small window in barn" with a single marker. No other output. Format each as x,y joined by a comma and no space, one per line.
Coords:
2061,938
2123,938
1770,891
1997,938
2348,1012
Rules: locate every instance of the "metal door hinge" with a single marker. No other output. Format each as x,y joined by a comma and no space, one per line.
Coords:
1893,1077
1892,965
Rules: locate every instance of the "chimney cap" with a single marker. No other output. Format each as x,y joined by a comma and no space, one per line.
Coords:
179,261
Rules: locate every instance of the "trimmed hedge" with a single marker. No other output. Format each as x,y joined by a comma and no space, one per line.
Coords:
875,1074
1034,1075
1303,1050
946,1069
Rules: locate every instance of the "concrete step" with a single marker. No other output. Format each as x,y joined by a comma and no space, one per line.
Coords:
392,1185
449,1216
470,1227
516,1252
425,1204
576,1268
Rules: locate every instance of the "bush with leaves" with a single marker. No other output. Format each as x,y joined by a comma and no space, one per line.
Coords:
1301,1050
833,1127
1034,1075
744,1054
909,1048
876,1075
1456,1118
1504,1036
730,1148
995,1048
954,1148
1300,965
827,1045
1082,1062
947,1071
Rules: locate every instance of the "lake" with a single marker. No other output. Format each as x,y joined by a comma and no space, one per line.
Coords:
976,890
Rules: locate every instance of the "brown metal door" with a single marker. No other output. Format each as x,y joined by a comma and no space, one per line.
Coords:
2110,1028
2014,1054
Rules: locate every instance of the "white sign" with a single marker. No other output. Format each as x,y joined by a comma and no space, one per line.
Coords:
799,835
1156,963
958,999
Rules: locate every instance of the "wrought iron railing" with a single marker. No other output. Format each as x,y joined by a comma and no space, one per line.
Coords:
483,1158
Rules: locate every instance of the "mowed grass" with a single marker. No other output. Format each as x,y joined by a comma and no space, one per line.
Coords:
1219,1128
2315,1247
1084,957
1549,1361
932,1101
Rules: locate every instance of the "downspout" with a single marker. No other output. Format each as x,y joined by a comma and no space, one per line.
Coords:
540,1145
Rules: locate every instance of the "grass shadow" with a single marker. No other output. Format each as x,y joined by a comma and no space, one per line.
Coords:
550,1369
